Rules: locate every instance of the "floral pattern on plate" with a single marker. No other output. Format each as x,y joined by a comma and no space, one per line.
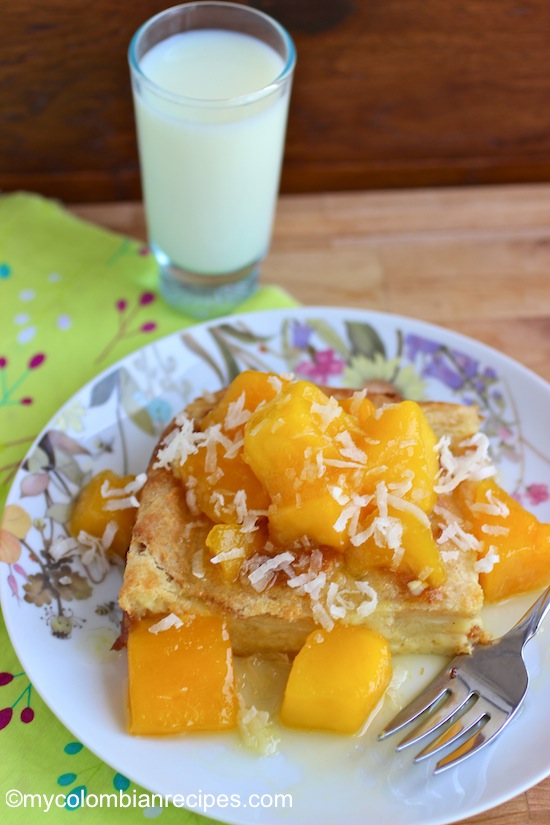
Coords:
114,422
140,396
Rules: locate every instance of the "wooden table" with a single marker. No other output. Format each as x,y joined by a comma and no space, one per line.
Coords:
475,260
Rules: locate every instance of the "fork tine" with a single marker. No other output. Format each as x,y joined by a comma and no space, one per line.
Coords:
458,701
482,692
462,728
429,700
481,737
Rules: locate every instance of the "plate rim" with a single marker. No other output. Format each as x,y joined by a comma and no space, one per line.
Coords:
341,313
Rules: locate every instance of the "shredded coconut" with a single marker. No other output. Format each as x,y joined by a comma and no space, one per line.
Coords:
228,555
178,445
234,448
121,503
214,477
166,623
262,576
494,507
495,530
344,465
191,497
327,412
197,564
257,730
336,603
129,489
417,587
381,493
275,382
237,415
210,440
218,502
321,466
408,507
240,505
474,464
91,549
344,604
356,399
488,561
452,531
351,512
249,523
349,449
386,530
63,546
338,494
321,616
311,582
456,534
404,486
368,605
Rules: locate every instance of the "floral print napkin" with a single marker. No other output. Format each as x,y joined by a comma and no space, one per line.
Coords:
74,298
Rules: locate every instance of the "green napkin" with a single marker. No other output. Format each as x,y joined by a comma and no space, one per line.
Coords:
74,298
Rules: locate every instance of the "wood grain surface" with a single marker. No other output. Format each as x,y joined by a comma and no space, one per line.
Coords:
388,93
473,260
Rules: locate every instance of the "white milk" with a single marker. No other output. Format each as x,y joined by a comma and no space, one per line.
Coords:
210,172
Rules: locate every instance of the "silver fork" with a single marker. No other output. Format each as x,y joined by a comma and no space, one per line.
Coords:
473,699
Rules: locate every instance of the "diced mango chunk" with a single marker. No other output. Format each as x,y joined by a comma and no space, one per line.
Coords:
337,679
91,515
283,439
181,678
315,461
221,490
243,395
315,517
520,543
400,541
222,484
229,547
400,445
299,445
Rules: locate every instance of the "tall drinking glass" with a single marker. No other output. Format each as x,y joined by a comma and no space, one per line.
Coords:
211,84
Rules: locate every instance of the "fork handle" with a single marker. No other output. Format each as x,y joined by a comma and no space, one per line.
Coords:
530,622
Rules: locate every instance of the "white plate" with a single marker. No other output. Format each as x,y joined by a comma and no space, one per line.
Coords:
115,421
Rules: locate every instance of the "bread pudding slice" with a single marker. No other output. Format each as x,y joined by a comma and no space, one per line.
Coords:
281,592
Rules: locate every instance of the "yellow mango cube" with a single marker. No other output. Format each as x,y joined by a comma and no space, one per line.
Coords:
216,474
401,444
181,678
229,547
517,542
314,517
337,679
282,437
247,390
214,491
416,554
298,445
91,515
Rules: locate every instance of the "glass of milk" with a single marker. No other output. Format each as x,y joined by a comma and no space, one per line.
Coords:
211,84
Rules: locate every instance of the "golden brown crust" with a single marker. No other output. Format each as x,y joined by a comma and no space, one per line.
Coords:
162,574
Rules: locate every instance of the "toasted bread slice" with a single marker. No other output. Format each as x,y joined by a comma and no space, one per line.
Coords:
168,571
